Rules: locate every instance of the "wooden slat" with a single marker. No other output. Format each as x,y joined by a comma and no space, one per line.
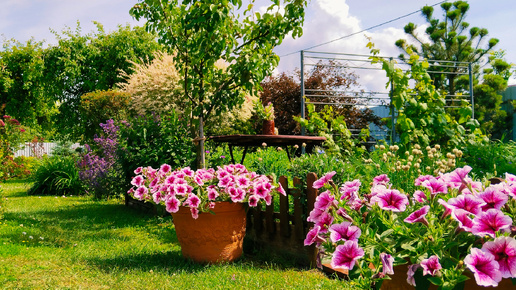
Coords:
257,217
298,210
269,218
284,215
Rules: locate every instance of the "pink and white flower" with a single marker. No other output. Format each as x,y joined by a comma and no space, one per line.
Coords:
504,251
344,232
418,216
346,255
323,180
431,266
391,199
490,222
484,267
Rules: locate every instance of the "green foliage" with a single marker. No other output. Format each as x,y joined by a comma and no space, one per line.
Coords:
84,63
21,84
491,158
422,118
98,107
56,175
333,127
268,161
204,32
152,141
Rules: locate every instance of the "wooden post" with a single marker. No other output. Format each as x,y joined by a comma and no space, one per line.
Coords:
284,206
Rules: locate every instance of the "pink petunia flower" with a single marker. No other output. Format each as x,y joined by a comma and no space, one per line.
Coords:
239,196
325,200
192,201
504,251
172,204
212,192
313,236
419,196
226,181
435,186
387,264
315,215
418,216
463,218
457,177
325,219
344,232
381,180
138,180
431,266
243,182
484,267
391,200
141,192
165,168
419,181
467,202
410,274
323,180
195,212
138,170
489,222
493,198
253,200
281,190
346,255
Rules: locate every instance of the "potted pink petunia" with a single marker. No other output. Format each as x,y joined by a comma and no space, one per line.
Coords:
208,206
449,230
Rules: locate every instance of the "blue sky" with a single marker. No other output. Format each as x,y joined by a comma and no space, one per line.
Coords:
326,20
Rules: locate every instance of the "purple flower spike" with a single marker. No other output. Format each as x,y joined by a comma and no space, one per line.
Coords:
484,267
504,251
489,222
387,264
418,216
344,232
323,180
391,199
345,256
431,266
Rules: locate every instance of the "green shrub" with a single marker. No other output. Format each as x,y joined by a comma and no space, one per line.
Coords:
56,175
153,140
268,161
493,158
25,166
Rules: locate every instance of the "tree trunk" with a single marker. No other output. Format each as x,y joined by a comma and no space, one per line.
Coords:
200,145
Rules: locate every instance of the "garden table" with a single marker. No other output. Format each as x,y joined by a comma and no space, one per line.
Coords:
247,141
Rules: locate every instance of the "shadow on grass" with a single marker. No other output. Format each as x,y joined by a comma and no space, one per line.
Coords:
170,262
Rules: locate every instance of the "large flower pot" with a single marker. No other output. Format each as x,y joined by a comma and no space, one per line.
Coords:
399,281
212,238
268,127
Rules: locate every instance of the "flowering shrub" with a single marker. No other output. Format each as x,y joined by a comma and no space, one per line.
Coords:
12,136
97,168
449,224
200,190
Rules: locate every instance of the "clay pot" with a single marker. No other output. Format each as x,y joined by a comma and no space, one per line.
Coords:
212,238
399,281
268,127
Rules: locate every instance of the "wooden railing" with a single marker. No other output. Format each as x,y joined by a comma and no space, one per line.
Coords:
284,232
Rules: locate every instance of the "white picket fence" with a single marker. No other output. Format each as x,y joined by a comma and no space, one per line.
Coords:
39,149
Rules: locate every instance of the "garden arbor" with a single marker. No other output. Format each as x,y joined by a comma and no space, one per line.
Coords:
201,33
400,93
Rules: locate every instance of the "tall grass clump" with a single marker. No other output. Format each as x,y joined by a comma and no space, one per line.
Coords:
491,159
57,175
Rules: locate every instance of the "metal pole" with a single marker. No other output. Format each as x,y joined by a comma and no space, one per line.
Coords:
393,131
302,77
471,91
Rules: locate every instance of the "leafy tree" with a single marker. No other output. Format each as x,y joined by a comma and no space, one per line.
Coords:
284,91
203,32
449,41
21,84
80,64
494,121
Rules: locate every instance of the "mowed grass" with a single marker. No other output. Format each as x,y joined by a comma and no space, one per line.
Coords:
73,242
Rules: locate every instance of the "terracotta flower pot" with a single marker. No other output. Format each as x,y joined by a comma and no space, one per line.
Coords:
268,127
399,281
212,238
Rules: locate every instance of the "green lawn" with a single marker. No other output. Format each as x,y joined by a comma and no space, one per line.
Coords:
49,242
